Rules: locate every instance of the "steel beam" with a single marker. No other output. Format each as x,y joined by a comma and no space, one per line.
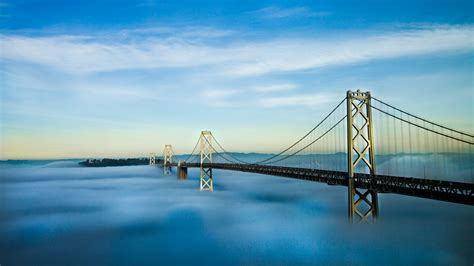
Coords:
167,159
455,192
362,204
206,160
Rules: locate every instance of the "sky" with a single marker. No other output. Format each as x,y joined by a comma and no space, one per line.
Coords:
83,79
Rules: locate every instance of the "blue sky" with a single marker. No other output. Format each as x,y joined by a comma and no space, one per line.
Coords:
123,78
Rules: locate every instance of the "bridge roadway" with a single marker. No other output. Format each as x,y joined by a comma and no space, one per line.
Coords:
456,192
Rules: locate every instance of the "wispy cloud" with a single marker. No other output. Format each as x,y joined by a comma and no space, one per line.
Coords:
219,97
28,84
275,88
227,97
219,93
79,54
274,12
303,54
188,32
310,100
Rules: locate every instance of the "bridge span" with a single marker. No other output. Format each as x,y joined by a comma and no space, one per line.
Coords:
415,157
456,192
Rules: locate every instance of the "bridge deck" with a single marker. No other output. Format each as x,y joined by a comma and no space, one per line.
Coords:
424,188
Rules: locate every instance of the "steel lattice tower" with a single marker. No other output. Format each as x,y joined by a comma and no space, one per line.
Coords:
206,158
360,149
167,158
152,158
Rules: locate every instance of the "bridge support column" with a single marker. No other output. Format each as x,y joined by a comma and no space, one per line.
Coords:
167,159
360,154
182,171
206,158
152,158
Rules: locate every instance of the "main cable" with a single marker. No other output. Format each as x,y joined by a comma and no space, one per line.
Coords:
422,127
311,143
293,145
228,153
218,153
195,146
422,119
307,134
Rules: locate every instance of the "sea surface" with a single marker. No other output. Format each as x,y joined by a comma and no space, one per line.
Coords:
57,213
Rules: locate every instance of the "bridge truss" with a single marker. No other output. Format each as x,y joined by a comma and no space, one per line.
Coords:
167,158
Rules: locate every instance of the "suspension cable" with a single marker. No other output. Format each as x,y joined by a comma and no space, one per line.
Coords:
222,156
311,143
293,145
314,128
218,153
228,153
195,146
422,127
424,120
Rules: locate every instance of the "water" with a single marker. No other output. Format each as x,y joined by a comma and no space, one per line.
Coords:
55,213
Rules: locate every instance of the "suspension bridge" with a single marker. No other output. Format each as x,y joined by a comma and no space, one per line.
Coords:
363,143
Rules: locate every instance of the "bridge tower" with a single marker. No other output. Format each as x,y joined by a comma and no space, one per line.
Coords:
206,158
360,154
152,158
167,158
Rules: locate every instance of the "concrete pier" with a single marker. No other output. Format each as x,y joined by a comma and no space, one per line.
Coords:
182,171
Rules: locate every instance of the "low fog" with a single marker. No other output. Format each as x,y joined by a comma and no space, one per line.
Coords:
59,213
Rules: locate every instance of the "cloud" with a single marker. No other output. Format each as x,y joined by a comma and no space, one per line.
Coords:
310,100
79,54
189,32
237,58
274,12
205,32
219,93
304,54
219,97
275,88
238,96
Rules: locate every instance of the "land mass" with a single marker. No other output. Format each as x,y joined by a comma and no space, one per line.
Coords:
115,162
